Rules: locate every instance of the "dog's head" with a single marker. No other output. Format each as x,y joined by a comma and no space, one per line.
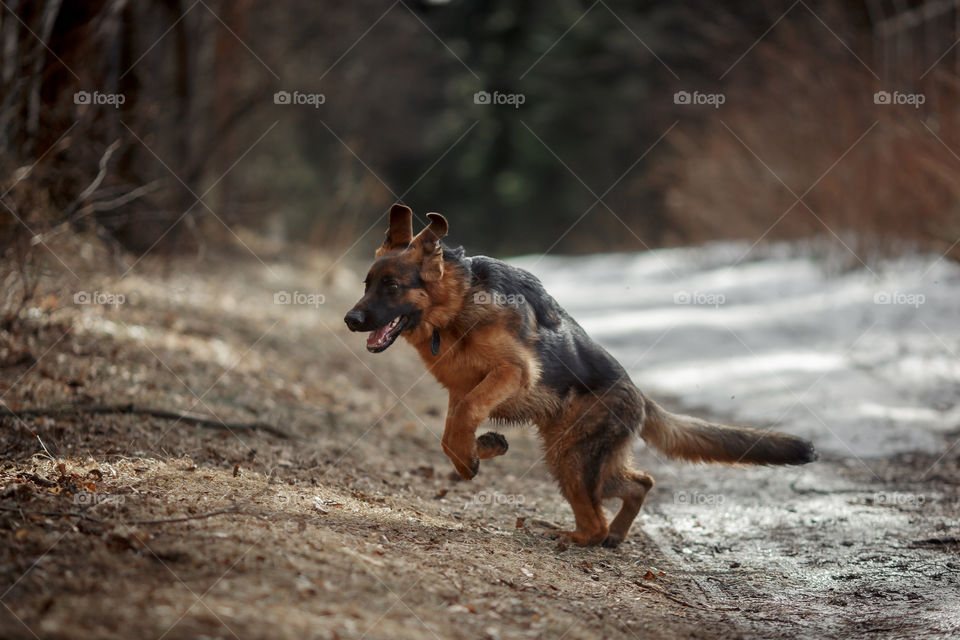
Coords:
396,294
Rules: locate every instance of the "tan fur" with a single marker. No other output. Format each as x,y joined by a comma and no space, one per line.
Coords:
490,372
487,360
697,440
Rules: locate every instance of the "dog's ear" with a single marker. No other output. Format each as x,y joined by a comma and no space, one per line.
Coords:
428,241
435,230
400,231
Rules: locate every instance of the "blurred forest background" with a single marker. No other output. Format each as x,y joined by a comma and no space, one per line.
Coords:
198,146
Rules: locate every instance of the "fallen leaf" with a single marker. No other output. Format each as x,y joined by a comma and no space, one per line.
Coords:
457,608
425,471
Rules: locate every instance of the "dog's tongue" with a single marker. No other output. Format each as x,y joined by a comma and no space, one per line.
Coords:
376,336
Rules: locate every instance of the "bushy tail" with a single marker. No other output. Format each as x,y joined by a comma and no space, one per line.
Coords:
700,441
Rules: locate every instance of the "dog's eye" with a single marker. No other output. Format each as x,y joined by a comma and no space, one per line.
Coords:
392,287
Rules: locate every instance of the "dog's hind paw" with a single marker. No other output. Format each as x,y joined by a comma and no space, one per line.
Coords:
612,541
491,444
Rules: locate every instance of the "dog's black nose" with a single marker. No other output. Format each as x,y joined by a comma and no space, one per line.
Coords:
354,319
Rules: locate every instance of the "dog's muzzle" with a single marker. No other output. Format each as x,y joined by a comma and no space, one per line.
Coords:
355,320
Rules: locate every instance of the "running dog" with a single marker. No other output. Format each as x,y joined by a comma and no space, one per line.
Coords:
506,351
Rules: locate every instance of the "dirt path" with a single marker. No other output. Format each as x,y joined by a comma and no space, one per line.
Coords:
837,550
350,527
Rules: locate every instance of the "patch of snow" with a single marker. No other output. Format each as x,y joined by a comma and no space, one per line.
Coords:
863,362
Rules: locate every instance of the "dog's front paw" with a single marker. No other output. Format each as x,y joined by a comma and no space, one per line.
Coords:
462,452
467,471
491,444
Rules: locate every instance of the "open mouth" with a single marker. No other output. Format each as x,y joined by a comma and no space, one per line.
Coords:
383,337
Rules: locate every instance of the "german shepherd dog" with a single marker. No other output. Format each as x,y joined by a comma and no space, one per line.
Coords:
505,350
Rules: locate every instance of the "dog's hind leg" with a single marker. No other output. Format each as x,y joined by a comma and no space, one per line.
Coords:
587,450
592,525
632,487
578,459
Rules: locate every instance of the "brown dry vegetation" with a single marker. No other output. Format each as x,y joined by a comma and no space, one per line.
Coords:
348,527
800,149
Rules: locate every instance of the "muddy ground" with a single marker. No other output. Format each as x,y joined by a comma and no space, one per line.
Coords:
336,516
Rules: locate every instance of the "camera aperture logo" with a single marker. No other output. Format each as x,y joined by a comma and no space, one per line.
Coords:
109,99
497,298
298,98
899,98
99,297
300,298
512,99
697,98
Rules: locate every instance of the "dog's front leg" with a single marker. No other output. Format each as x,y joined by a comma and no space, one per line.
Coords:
465,415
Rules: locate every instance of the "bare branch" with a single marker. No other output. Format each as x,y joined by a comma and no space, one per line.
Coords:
166,414
95,184
83,516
